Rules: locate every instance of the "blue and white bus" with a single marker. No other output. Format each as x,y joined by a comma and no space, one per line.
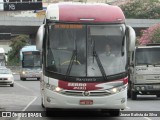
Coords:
31,63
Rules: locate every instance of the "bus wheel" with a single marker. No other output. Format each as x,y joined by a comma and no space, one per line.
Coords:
12,85
133,95
158,95
42,103
129,94
23,79
112,112
50,112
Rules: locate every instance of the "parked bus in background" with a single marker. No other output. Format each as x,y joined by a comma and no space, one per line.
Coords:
2,57
31,63
145,71
76,71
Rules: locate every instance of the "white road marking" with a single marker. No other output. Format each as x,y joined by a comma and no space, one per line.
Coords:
147,118
23,86
35,97
30,103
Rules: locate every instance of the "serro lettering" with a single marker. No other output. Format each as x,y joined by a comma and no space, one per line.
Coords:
77,84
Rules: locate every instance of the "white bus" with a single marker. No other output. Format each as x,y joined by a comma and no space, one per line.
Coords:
31,63
76,72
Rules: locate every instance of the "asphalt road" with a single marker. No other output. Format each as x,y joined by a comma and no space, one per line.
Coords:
25,96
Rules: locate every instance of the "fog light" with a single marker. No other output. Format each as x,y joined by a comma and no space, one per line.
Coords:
123,100
48,99
57,89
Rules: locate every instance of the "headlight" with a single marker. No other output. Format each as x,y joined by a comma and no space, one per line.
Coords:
23,72
10,78
117,89
53,87
137,88
142,88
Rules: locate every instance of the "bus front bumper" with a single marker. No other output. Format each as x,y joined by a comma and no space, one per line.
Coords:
56,100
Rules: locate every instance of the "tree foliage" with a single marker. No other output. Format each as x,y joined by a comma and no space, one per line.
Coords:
142,9
16,44
150,35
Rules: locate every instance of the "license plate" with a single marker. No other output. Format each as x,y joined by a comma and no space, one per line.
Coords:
86,102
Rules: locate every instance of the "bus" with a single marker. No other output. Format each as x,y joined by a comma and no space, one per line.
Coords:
76,72
2,57
31,63
145,71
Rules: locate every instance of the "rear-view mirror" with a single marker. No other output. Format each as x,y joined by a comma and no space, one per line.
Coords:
39,37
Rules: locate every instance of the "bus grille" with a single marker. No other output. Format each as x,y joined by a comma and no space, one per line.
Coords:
82,93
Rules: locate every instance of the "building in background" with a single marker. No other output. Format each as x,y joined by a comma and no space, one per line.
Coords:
41,13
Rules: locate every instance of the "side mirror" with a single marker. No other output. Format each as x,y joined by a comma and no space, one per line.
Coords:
132,38
39,37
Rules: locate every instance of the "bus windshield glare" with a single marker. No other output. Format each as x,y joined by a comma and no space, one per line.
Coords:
86,50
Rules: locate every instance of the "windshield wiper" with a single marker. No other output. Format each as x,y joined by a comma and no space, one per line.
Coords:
71,63
74,57
99,62
123,41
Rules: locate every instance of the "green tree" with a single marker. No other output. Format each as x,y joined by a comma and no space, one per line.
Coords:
16,44
142,9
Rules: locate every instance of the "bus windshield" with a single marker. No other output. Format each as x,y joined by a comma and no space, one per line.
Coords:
147,56
31,59
86,50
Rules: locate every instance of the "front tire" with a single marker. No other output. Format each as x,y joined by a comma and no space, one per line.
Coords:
48,112
112,112
158,95
12,85
23,79
133,95
129,94
42,103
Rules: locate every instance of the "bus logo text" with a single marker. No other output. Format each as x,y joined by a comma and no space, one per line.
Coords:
78,86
